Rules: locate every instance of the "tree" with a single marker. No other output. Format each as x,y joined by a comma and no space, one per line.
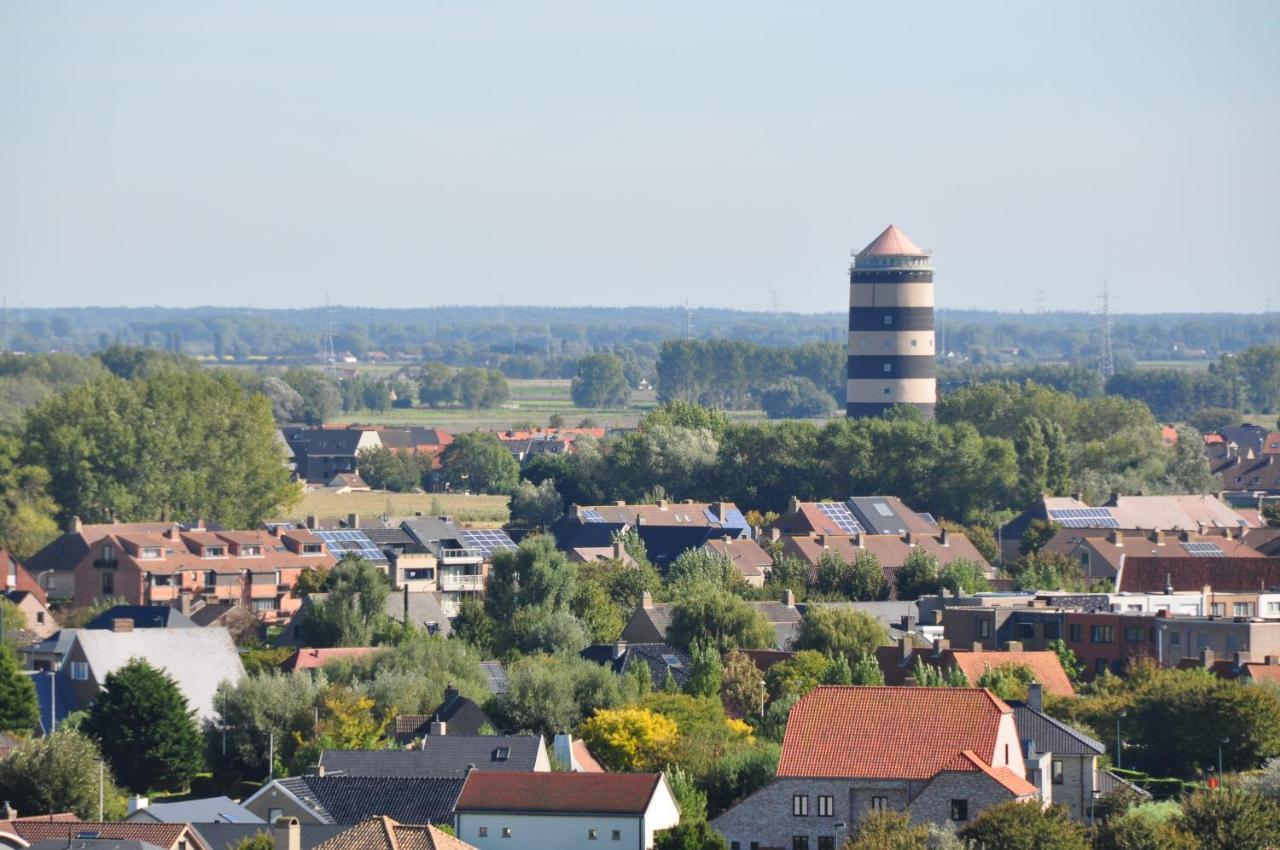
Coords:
59,773
19,711
175,444
600,382
796,398
866,671
535,506
258,841
691,799
705,671
26,510
689,835
740,684
478,461
1025,826
721,620
917,577
964,577
145,729
1211,420
384,469
346,722
535,575
548,695
1067,657
1007,681
704,568
253,713
354,608
797,675
287,404
630,739
1231,818
888,830
833,630
1148,826
740,773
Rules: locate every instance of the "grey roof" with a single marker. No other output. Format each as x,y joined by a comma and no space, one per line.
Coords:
657,656
495,677
881,515
782,618
208,614
298,787
1108,782
1050,735
430,531
225,836
412,799
143,617
208,809
444,755
198,660
93,844
390,538
425,609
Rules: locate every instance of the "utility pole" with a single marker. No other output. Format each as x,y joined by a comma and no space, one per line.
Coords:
271,756
330,356
1108,364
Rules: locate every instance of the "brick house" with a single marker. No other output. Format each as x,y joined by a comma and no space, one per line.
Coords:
941,754
897,662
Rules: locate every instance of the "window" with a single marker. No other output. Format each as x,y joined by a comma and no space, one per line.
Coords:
888,367
427,573
108,553
501,754
315,549
984,628
826,805
799,842
1219,609
210,578
1056,768
264,605
1026,630
151,553
1051,631
592,835
879,804
1099,665
1132,633
886,390
162,581
913,343
250,551
108,584
482,832
734,845
1075,630
800,805
959,810
274,815
80,671
506,832
1242,609
1102,634
215,551
826,842
1202,640
40,617
888,319
1175,638
617,835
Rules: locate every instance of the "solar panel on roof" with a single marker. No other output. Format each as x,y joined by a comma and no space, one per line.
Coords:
1084,518
841,516
489,540
351,541
590,515
883,509
1204,550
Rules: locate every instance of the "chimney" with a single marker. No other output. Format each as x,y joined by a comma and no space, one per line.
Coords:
821,540
940,646
1168,584
1115,538
1077,496
1273,660
775,534
908,623
905,649
793,505
945,537
909,682
619,503
789,598
184,602
286,834
122,624
619,649
977,646
646,600
312,521
1035,696
353,520
1114,501
438,729
1157,537
722,511
1239,659
910,538
74,525
1014,646
8,812
662,504
1206,658
859,540
1200,528
137,803
450,694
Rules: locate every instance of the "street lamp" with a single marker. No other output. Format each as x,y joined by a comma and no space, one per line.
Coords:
1220,743
53,702
1123,713
762,699
102,776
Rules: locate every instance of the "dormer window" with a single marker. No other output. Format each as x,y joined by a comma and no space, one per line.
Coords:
312,549
215,551
108,553
501,753
150,553
250,551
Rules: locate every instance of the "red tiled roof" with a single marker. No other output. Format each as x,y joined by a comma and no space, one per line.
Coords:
307,658
887,732
384,833
160,834
1262,672
1012,782
1226,575
595,793
584,758
891,242
1044,664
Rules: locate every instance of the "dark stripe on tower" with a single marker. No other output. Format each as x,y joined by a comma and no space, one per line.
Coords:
873,276
900,318
900,366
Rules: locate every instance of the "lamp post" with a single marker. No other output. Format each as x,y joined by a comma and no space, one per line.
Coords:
102,780
1221,741
762,686
53,703
1123,713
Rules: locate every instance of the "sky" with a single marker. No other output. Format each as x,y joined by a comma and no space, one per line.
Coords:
601,153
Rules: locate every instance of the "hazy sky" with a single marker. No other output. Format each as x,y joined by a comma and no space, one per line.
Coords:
419,153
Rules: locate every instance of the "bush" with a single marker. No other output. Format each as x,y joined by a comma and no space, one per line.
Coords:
1025,826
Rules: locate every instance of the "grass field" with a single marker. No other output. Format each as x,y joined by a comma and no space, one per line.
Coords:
466,509
1184,365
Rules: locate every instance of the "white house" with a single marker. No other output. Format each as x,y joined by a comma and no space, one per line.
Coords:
564,811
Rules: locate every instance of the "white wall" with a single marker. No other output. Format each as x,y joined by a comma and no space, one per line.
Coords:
550,832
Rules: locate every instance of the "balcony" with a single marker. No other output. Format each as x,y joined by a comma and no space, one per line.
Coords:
461,583
100,564
461,556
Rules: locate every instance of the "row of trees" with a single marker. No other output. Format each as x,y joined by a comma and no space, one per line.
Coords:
1249,380
730,374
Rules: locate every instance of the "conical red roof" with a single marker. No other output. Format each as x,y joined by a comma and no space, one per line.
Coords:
892,242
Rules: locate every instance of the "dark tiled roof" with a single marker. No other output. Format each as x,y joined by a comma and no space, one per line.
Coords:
651,654
300,788
164,835
143,616
225,836
383,833
1050,735
409,799
1225,575
93,844
445,755
209,614
595,793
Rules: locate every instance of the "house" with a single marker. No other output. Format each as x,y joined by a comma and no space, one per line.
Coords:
940,754
458,559
1101,553
553,811
28,596
456,715
166,836
898,662
177,565
198,660
667,528
527,444
1223,574
89,844
347,482
443,755
228,836
384,833
573,754
142,617
307,658
649,622
890,551
1075,780
319,454
616,551
748,557
661,660
325,798
871,515
207,810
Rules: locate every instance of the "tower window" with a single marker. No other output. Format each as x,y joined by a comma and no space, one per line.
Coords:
888,319
888,367
913,343
886,390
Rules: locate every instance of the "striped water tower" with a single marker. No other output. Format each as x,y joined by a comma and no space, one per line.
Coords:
891,347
